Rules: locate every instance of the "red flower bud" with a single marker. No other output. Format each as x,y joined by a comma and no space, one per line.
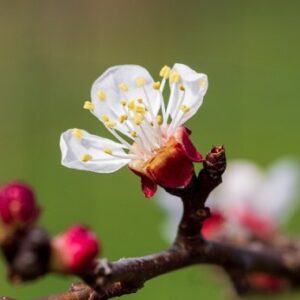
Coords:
171,166
257,225
212,226
267,283
75,250
18,206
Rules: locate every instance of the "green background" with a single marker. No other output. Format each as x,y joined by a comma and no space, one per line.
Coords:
52,51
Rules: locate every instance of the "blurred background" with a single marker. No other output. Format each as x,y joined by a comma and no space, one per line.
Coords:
52,51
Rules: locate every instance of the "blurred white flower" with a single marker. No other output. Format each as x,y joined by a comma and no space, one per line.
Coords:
151,138
249,199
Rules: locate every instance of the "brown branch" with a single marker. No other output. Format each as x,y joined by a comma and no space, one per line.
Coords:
111,279
128,275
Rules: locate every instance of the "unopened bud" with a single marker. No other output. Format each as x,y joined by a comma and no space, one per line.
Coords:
267,283
213,226
215,161
18,207
74,250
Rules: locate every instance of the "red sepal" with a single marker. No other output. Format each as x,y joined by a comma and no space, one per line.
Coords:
182,135
149,187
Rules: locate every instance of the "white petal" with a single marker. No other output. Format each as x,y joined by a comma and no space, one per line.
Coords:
74,148
109,83
277,196
172,207
195,85
242,182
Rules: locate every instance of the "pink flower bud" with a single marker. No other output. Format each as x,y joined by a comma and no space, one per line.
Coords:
256,225
213,226
74,250
267,283
18,205
171,166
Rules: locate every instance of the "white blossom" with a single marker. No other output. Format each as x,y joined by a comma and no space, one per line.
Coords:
130,104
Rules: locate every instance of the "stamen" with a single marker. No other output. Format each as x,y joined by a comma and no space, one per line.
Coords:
133,134
107,151
161,98
156,130
123,118
165,72
88,105
181,87
171,100
140,100
124,143
174,77
185,108
110,124
140,81
122,156
123,87
135,120
123,102
101,95
148,103
179,107
126,156
105,118
77,133
143,139
159,119
153,132
86,157
149,139
131,105
140,109
138,119
156,85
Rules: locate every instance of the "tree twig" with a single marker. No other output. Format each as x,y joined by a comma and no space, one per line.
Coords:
111,279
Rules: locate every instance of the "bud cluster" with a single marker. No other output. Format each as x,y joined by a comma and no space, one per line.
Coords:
27,248
74,250
18,208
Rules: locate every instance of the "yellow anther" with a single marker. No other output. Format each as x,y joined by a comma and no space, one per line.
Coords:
110,124
123,102
165,72
174,77
140,100
140,81
140,109
107,151
86,157
101,95
123,118
131,105
156,85
159,119
77,133
181,87
133,134
88,105
105,118
138,119
184,108
202,83
123,87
